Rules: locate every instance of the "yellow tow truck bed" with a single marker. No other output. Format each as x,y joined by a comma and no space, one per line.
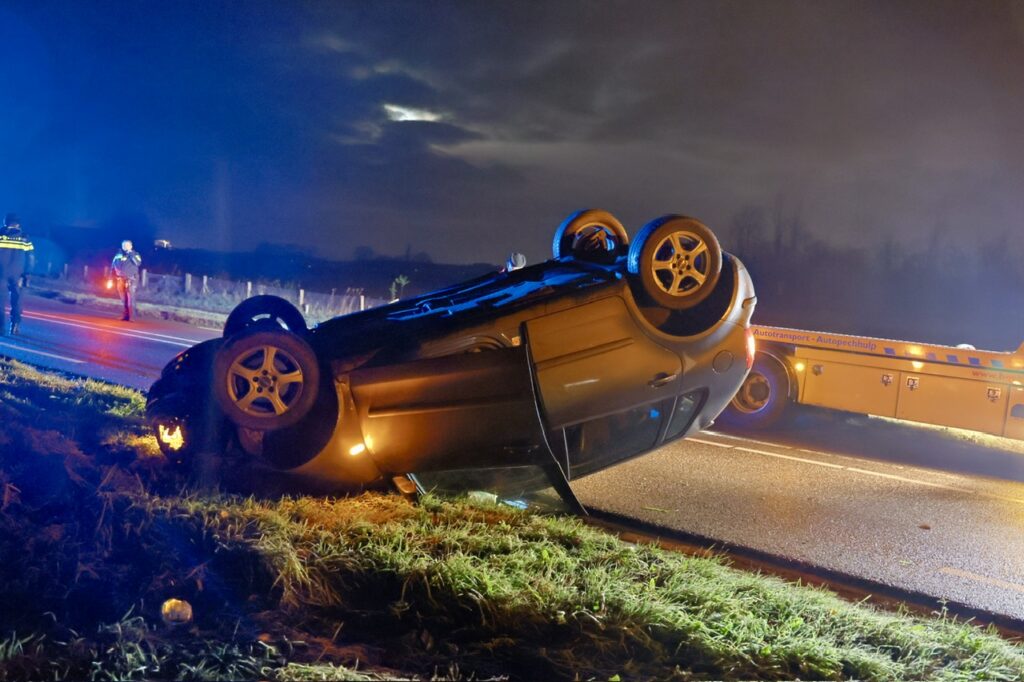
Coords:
944,385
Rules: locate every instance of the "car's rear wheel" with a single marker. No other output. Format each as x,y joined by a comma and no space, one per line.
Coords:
678,261
591,234
259,310
265,379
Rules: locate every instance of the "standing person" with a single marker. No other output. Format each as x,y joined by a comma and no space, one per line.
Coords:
125,269
15,264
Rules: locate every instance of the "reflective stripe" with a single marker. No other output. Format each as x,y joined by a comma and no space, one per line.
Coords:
16,244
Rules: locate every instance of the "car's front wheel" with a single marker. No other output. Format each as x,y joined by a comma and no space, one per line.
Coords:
678,261
265,379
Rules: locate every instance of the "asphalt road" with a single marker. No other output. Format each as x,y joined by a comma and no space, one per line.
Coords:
931,510
83,341
834,491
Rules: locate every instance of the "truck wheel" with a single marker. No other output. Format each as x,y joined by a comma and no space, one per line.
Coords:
266,379
762,398
591,234
678,261
261,309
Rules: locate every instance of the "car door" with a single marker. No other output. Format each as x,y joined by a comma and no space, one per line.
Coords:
457,411
594,359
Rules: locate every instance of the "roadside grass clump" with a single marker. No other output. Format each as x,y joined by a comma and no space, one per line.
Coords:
96,532
131,649
552,596
83,405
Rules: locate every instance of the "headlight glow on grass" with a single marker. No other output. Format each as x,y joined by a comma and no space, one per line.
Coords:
175,439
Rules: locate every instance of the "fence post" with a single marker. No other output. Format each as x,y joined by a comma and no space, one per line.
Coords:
188,282
206,289
362,301
145,277
248,289
302,297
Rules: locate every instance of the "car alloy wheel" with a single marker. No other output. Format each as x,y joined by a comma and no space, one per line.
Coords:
266,379
678,260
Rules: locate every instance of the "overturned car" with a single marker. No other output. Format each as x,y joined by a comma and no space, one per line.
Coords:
606,351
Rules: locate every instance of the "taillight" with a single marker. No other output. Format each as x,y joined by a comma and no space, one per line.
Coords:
751,348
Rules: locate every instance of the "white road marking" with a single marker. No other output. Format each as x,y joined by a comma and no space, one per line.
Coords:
54,316
708,442
791,457
908,480
39,352
144,336
747,440
996,582
866,472
822,453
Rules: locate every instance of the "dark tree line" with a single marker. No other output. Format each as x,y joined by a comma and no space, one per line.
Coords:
940,292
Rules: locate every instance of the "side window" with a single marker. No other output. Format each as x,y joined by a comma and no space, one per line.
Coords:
686,409
599,443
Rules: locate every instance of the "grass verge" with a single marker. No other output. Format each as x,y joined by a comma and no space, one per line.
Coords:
96,533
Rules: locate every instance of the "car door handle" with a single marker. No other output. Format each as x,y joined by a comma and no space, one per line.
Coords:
662,379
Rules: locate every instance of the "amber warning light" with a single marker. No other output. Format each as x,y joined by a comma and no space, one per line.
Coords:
175,439
110,283
751,348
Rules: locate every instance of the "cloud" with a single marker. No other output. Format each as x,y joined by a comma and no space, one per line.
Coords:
391,122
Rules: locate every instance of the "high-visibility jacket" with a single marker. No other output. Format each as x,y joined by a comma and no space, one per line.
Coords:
15,254
126,265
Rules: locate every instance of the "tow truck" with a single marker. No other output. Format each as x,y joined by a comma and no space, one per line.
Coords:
955,386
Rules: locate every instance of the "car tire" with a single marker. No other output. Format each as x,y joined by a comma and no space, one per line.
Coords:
265,379
259,310
763,397
678,261
578,224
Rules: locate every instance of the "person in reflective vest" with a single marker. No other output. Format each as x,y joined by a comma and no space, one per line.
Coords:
125,269
15,264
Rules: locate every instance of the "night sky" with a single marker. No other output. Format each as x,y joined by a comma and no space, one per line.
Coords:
469,129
